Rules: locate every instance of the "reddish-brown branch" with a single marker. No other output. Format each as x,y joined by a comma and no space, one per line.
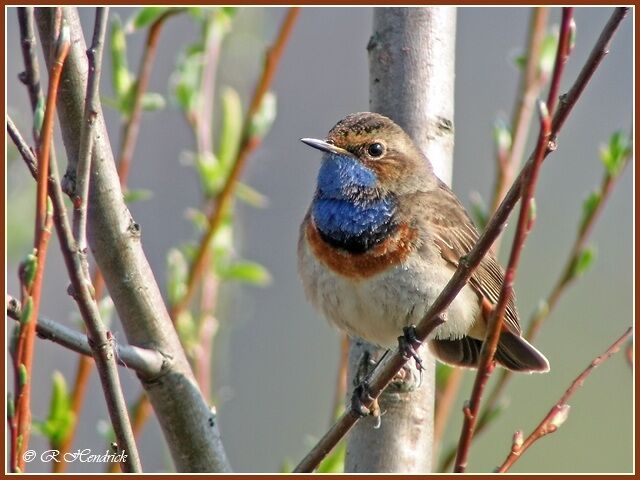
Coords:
26,340
468,263
248,144
132,126
531,83
558,413
525,222
490,344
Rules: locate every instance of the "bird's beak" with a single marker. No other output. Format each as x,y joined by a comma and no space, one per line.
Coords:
324,146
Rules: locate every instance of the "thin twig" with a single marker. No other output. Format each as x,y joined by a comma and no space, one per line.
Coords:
525,223
559,412
248,143
31,291
91,107
468,263
132,126
31,75
146,362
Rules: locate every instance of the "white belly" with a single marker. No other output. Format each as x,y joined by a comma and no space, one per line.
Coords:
377,308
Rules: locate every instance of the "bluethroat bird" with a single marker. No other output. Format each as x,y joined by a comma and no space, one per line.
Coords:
382,238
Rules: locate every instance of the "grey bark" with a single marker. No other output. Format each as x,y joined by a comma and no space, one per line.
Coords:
188,423
411,80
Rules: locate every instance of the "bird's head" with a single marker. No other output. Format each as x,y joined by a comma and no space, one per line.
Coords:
366,155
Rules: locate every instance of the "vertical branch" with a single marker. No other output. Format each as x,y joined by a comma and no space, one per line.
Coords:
525,223
132,126
33,269
31,74
531,83
92,103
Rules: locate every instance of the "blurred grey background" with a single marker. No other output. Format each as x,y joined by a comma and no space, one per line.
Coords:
275,358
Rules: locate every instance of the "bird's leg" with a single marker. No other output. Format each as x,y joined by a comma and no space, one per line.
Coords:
361,393
408,344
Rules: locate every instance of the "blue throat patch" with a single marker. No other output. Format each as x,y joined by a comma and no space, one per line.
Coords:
346,209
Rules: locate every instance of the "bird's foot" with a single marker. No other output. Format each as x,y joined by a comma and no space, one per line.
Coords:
408,345
361,396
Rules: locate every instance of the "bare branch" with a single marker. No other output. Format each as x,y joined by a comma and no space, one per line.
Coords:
559,412
148,363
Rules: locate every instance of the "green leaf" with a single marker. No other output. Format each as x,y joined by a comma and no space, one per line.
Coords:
187,329
11,406
589,206
443,372
177,270
145,16
231,128
479,211
583,261
27,310
106,309
139,195
614,155
251,196
61,417
23,375
185,80
264,117
121,77
28,270
152,101
247,272
548,52
501,136
38,116
520,61
13,344
211,173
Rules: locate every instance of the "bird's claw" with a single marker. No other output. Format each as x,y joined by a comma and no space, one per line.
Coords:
408,345
361,396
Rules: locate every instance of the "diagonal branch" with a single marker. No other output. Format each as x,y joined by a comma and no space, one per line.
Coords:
559,412
248,144
468,263
525,223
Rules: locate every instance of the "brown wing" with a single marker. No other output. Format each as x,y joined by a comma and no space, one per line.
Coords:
455,235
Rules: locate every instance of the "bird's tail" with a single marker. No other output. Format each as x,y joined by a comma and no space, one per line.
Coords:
513,353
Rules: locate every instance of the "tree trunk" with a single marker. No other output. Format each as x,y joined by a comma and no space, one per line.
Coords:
411,74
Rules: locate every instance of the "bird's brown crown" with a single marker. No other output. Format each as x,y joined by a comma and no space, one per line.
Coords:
400,167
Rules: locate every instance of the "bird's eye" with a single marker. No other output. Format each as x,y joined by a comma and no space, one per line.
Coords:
375,149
